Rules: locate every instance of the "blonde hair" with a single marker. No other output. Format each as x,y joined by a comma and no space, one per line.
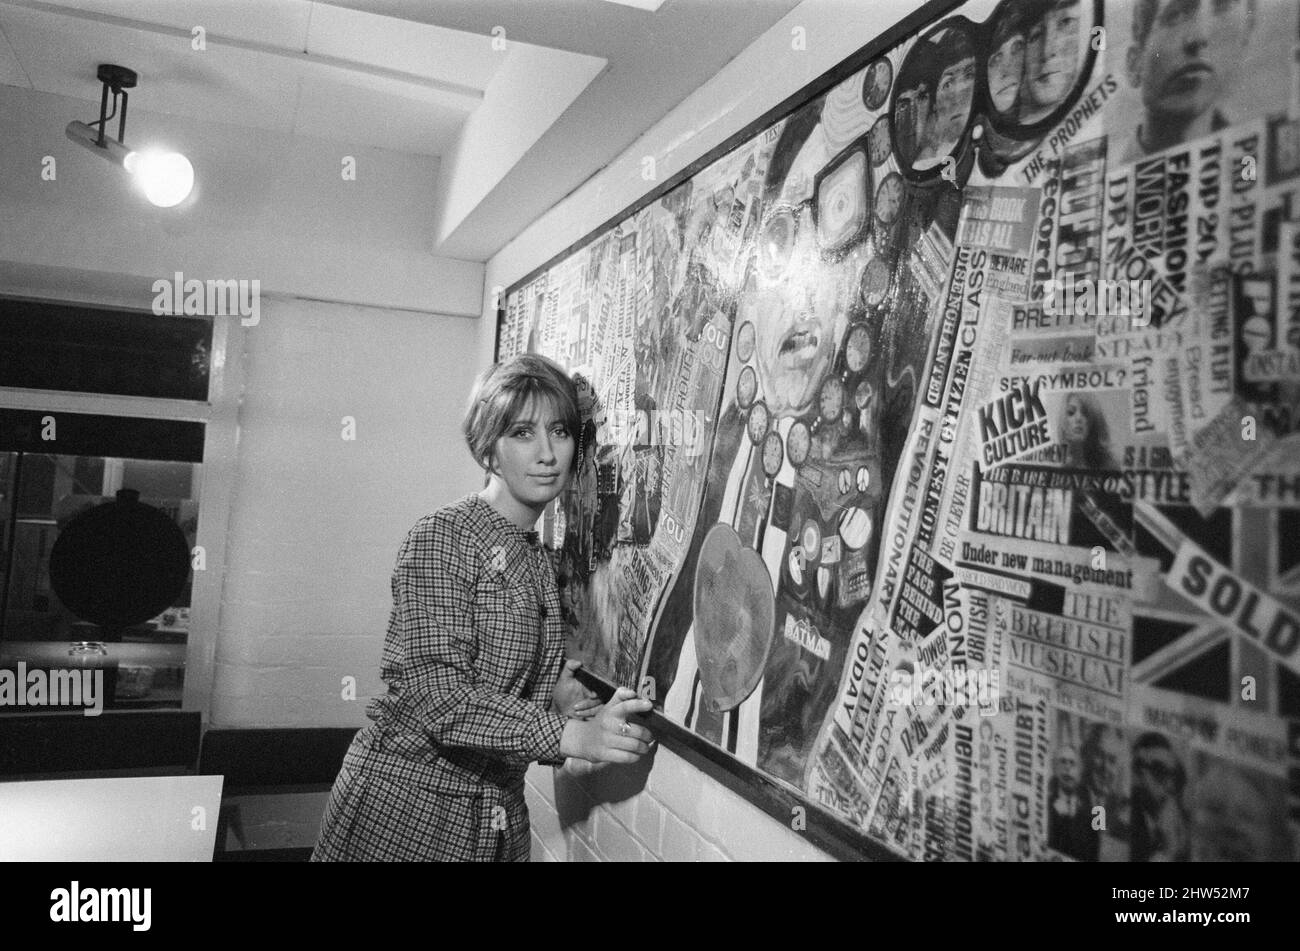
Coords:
504,390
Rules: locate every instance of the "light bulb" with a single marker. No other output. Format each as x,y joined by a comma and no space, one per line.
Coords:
165,177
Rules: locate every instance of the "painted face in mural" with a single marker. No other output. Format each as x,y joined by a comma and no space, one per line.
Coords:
797,328
1155,775
1052,54
1101,762
1006,69
1232,820
800,305
952,98
533,459
1191,57
1067,769
913,120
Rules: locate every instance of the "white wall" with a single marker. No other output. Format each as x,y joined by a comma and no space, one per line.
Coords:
267,206
527,95
316,520
680,814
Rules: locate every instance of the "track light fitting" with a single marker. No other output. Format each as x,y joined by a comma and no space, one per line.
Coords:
165,177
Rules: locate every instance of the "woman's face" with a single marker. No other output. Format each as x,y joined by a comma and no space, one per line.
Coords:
534,457
1076,428
1006,68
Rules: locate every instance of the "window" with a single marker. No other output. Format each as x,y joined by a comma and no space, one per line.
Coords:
46,346
94,401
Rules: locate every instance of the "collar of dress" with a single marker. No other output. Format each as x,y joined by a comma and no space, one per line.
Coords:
503,525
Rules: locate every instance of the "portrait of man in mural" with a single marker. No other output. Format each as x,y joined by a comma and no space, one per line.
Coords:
1103,756
1006,59
1239,815
799,303
954,91
1185,59
811,404
796,344
801,311
1069,809
1160,824
1055,40
913,117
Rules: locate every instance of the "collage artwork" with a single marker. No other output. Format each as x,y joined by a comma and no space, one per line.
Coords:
941,449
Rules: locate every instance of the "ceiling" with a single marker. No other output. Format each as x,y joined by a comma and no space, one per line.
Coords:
520,100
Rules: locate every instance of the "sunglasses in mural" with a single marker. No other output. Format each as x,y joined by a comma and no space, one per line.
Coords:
998,86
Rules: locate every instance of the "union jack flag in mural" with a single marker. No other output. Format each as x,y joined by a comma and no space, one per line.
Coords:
1227,607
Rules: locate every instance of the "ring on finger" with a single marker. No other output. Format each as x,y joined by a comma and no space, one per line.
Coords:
623,729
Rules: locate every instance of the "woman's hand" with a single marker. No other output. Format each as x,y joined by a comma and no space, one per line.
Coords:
610,736
570,697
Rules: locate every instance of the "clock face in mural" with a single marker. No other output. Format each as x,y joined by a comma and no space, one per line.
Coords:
878,142
854,528
889,199
875,282
773,454
745,341
880,76
797,443
832,399
758,422
746,387
857,349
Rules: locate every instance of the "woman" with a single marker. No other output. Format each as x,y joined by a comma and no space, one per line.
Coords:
1084,433
473,658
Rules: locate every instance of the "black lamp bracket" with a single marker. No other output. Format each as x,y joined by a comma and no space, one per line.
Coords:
119,79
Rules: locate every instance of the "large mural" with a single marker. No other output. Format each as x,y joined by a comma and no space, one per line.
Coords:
940,457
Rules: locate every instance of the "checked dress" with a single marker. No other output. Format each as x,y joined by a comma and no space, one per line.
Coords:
474,647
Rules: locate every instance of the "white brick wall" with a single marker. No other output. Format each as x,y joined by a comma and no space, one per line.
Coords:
582,813
316,520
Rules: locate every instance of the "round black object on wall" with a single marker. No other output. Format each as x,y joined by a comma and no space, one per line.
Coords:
120,563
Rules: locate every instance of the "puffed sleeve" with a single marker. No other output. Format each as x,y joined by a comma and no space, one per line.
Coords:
433,585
